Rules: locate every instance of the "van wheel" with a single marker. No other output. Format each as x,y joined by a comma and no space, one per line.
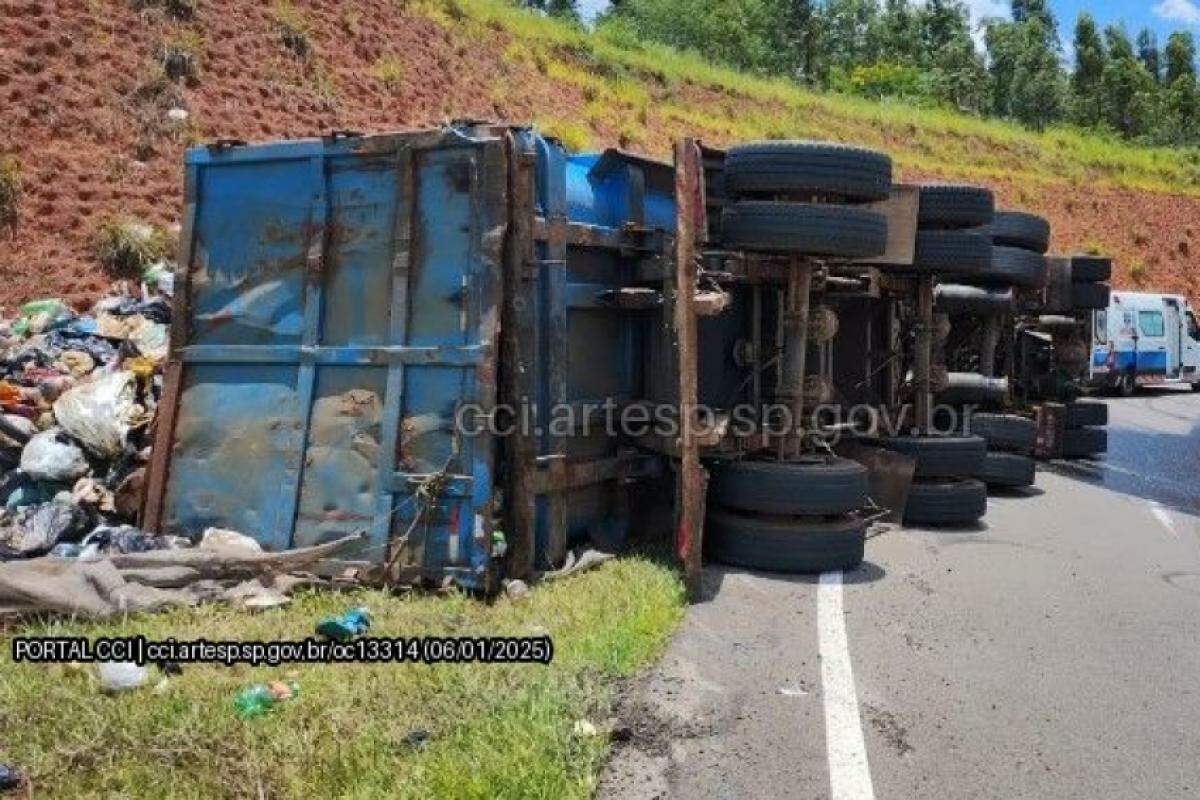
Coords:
1196,387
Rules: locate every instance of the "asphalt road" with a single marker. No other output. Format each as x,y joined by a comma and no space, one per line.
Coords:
1053,653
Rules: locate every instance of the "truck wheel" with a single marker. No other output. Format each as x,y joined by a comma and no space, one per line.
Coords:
937,456
1011,266
812,485
945,502
1090,269
1084,442
1196,387
1007,470
1083,414
1087,296
957,299
955,206
804,228
809,168
1126,384
1004,431
964,254
784,544
1021,229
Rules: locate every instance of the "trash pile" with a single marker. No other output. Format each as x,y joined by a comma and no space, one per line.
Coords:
78,393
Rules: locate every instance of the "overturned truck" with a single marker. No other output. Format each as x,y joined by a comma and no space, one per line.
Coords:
481,349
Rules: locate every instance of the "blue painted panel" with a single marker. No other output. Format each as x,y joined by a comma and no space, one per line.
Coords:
307,243
1151,361
358,277
251,237
238,444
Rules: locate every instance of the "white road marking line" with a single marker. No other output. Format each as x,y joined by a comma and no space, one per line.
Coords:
849,773
1164,518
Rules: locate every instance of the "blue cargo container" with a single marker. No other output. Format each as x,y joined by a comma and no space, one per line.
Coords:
341,300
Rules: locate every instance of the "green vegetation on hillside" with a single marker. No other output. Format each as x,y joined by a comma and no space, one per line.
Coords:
650,90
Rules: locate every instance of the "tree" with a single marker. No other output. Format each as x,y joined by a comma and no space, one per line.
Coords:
1147,47
1036,11
1129,90
1181,56
1087,82
803,40
1181,97
1027,79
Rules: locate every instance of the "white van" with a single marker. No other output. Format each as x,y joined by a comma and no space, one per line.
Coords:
1144,338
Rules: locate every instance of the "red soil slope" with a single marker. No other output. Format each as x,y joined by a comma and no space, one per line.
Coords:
83,109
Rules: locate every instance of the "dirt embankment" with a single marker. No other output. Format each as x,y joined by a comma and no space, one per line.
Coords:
95,124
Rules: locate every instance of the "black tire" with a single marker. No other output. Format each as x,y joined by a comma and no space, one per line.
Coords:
812,168
1012,266
1091,269
804,228
963,254
1021,229
1084,442
1085,414
1007,470
1089,296
784,544
1004,431
937,456
812,486
955,206
958,299
945,502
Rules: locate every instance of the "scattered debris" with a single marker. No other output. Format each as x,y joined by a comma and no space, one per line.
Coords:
257,700
77,394
221,539
516,589
10,778
121,676
354,622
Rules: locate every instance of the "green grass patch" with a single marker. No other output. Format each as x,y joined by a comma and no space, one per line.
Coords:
493,730
919,137
11,190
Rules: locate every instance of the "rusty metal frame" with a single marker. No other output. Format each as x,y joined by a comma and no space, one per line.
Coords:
693,479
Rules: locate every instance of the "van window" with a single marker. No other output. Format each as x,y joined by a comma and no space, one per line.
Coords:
1193,328
1151,323
1101,325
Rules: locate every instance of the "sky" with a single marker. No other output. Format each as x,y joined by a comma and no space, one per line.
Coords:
1161,16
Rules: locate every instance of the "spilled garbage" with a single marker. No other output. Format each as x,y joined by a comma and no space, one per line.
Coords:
78,393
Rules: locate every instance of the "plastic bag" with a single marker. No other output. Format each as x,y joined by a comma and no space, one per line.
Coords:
99,413
51,456
42,315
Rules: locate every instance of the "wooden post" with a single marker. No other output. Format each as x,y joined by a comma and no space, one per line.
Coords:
692,485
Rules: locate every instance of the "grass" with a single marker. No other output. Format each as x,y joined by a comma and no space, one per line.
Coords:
355,730
725,105
126,246
182,10
180,54
11,189
293,28
389,71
